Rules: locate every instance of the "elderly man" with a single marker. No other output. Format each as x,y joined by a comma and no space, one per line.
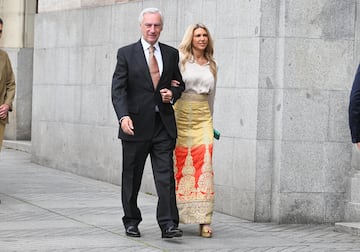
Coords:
142,96
7,88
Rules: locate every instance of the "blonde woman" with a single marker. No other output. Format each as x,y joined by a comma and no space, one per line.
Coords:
194,146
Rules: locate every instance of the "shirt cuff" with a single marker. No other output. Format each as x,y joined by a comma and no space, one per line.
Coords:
122,118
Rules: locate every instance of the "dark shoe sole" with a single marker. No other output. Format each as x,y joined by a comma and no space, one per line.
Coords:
169,236
132,235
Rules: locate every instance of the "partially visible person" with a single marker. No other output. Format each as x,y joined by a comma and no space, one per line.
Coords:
7,88
354,110
142,96
194,147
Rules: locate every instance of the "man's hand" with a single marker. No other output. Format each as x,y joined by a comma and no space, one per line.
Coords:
127,125
166,95
4,109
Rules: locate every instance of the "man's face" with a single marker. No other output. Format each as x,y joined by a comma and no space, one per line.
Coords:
1,28
151,27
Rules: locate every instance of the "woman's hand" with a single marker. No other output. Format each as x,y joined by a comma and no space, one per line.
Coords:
175,83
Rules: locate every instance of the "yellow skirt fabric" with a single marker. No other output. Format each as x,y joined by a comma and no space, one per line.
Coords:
193,159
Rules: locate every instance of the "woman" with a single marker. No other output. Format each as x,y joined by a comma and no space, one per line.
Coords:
194,146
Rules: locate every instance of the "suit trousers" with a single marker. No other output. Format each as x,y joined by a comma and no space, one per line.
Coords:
160,148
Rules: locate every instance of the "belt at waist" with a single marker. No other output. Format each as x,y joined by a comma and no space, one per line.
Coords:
194,97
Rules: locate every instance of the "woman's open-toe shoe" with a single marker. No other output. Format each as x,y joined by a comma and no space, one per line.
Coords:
205,231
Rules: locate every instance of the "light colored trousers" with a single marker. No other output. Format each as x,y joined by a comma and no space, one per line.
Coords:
2,131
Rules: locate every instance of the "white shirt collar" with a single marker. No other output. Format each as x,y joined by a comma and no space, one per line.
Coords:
146,45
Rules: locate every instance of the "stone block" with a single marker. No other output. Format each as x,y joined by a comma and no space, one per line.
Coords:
269,11
266,114
355,190
103,70
224,55
337,167
46,30
93,3
305,115
328,19
355,158
262,208
44,59
88,60
242,203
338,117
61,66
222,198
68,103
95,19
233,52
125,27
268,62
302,208
56,5
89,102
67,34
223,153
242,19
352,212
244,165
334,207
264,180
43,96
75,64
264,165
302,167
190,12
247,63
239,122
318,64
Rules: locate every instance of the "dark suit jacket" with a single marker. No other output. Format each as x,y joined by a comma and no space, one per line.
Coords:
133,93
354,109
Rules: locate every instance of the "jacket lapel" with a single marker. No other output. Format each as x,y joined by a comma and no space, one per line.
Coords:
142,63
165,62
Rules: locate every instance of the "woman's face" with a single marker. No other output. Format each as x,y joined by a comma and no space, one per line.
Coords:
200,39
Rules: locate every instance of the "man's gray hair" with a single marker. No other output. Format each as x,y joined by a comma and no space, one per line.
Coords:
150,10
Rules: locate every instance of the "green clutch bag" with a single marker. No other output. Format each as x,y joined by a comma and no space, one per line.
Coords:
216,134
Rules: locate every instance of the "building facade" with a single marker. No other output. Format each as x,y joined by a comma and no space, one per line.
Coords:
285,71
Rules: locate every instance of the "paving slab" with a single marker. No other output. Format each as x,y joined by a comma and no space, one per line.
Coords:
44,209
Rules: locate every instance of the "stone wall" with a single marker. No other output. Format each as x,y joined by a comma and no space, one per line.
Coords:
285,70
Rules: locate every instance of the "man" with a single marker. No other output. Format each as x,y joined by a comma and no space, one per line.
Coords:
7,88
142,100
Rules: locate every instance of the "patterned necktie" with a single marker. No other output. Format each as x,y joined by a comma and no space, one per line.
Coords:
153,67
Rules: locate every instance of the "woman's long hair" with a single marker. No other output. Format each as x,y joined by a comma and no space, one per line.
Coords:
185,47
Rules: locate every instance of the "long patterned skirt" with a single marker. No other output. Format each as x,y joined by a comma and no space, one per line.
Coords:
193,159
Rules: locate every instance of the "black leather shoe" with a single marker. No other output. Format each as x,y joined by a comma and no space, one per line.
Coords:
171,232
132,231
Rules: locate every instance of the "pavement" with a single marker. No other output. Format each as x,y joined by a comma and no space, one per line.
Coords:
44,209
